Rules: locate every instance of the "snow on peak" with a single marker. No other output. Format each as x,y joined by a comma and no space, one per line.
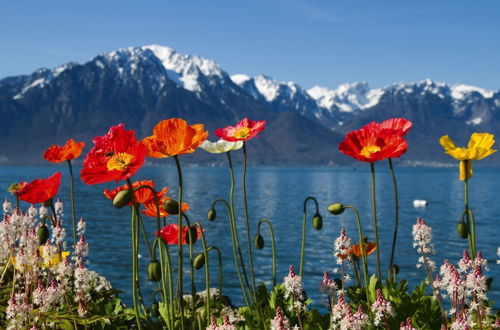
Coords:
267,87
185,69
240,79
461,91
347,97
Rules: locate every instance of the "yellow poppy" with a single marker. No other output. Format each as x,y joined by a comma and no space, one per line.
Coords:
53,262
479,147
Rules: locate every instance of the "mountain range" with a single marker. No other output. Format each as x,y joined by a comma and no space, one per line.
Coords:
141,85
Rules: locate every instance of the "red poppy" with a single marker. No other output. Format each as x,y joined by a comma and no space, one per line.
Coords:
244,130
141,196
371,145
170,234
150,206
355,250
69,151
399,126
40,190
116,155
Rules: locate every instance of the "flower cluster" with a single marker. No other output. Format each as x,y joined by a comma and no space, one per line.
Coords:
382,309
341,247
226,325
280,321
422,241
343,317
293,288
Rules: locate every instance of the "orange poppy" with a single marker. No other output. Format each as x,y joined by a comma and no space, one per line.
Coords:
69,151
173,137
356,249
39,190
372,144
150,206
141,196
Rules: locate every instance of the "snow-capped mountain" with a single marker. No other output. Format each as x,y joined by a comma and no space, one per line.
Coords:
141,85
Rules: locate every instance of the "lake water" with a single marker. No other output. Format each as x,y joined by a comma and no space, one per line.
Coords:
277,193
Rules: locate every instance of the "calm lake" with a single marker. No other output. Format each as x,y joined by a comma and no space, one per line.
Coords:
277,193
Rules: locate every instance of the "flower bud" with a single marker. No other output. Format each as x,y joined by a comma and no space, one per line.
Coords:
259,241
155,309
317,221
48,202
462,230
199,261
212,215
336,208
171,206
192,235
42,234
154,271
123,198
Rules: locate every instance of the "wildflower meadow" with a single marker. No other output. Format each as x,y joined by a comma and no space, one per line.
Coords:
47,281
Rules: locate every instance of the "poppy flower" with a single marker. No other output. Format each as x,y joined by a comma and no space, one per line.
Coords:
69,151
371,145
399,126
16,186
243,131
480,146
150,206
173,137
170,234
141,196
355,250
116,155
39,190
220,146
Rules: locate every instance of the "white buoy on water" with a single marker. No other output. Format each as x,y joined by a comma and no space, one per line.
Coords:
419,203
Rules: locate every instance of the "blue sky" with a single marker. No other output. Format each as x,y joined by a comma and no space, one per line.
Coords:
324,43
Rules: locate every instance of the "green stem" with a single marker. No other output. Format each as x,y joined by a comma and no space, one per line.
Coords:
150,251
249,244
134,266
207,272
396,217
273,245
232,217
72,194
304,220
191,266
247,220
179,245
375,225
219,256
470,217
363,249
235,255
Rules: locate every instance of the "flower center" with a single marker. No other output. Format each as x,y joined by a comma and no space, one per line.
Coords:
241,133
119,161
368,150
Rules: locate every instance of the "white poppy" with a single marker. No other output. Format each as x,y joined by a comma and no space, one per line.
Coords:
220,146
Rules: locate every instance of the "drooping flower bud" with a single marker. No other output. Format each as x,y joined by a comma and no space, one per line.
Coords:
42,234
124,197
171,206
155,309
154,271
462,230
199,261
259,241
336,208
317,221
192,235
211,215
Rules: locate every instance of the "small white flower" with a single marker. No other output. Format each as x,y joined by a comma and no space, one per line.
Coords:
58,206
220,146
7,206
